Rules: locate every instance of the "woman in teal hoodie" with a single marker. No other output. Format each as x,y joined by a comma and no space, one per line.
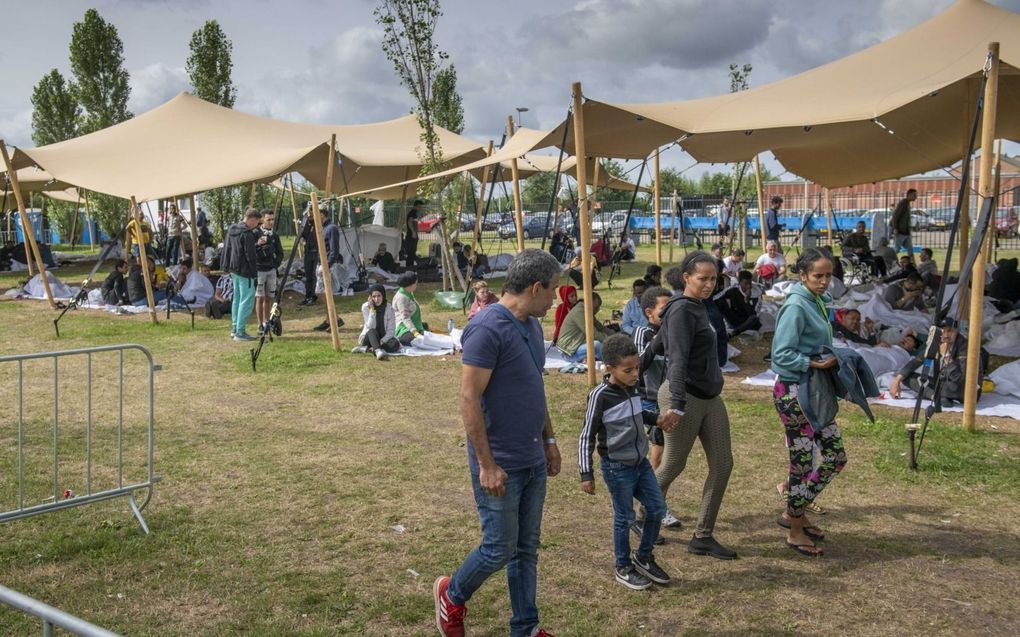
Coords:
803,329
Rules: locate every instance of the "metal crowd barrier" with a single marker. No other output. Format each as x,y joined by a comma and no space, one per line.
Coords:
61,500
51,617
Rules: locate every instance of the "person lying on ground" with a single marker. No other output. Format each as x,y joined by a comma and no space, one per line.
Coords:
906,294
848,327
633,316
613,427
406,310
739,306
114,287
379,325
572,342
483,298
951,365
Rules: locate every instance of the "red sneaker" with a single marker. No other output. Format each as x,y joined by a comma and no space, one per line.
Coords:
449,616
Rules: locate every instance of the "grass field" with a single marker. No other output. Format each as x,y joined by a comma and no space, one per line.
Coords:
322,495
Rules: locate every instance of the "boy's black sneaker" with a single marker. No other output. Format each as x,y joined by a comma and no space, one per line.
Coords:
638,528
632,579
708,546
651,570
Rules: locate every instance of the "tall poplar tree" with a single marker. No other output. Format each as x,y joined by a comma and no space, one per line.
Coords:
55,115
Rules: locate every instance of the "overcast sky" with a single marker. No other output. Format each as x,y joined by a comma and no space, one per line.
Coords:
320,61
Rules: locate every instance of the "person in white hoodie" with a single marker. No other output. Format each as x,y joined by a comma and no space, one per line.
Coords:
379,325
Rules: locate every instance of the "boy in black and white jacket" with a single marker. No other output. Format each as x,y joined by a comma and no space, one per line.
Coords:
613,425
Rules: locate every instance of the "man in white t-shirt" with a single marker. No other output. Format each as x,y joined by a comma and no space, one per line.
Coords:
770,266
733,264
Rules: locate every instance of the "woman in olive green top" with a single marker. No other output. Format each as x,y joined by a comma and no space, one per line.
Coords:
406,309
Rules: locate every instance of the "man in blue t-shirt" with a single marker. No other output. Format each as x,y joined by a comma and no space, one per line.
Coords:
511,445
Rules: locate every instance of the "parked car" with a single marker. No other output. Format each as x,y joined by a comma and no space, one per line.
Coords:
919,219
941,218
614,222
534,226
428,222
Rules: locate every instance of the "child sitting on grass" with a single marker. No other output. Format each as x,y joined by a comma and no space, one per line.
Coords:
613,424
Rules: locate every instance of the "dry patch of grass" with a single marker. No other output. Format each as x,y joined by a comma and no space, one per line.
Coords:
323,494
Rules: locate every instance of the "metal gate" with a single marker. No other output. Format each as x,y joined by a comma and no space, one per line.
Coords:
65,498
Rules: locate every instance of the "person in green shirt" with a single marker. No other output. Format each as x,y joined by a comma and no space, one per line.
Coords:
572,340
406,309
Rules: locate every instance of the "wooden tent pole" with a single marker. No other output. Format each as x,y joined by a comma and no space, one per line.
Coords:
516,176
583,219
828,219
658,213
761,200
27,228
143,260
294,211
194,231
480,207
88,220
327,278
401,214
986,190
964,230
672,225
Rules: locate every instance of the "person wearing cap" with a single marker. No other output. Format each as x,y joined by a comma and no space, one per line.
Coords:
378,326
951,366
406,310
383,259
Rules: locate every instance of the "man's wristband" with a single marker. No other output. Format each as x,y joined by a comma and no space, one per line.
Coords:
550,441
678,412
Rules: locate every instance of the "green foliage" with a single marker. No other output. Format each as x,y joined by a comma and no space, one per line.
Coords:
101,89
209,69
55,111
615,169
446,101
408,29
671,179
209,66
100,80
537,189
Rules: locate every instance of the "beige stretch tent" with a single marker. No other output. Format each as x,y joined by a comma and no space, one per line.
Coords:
821,125
189,145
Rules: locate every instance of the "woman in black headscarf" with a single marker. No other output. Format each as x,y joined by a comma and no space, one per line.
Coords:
379,325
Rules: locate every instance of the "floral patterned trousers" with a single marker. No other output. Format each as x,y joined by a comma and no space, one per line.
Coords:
806,480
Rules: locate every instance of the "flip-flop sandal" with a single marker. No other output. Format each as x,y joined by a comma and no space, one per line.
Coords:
812,531
811,507
803,549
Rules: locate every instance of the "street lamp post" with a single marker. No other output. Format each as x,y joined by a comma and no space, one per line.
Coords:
520,109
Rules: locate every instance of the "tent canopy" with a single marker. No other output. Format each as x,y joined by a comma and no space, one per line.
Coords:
189,145
30,179
821,124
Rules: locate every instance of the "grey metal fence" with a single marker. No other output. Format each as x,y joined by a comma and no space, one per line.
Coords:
51,617
78,424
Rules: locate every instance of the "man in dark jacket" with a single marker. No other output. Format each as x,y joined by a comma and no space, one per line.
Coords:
335,260
311,260
411,234
115,286
241,261
772,226
858,244
951,366
901,224
136,285
268,257
739,305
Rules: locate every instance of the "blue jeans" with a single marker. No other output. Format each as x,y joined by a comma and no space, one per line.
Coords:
581,355
904,242
511,529
158,296
243,302
625,484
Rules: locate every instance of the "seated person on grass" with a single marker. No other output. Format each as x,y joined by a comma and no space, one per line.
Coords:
770,266
739,306
633,316
572,338
384,260
223,297
136,285
951,365
115,286
379,325
613,427
906,294
406,309
905,267
483,299
733,264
